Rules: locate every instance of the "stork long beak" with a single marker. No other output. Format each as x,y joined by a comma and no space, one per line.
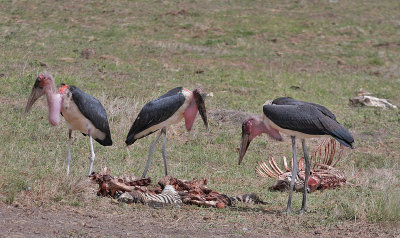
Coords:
200,103
244,145
36,93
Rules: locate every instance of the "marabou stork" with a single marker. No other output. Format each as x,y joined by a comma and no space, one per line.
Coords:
166,110
296,119
81,111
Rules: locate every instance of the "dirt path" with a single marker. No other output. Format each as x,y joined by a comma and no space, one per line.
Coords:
73,222
141,221
19,222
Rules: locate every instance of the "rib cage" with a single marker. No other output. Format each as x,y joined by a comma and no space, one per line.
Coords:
323,174
325,153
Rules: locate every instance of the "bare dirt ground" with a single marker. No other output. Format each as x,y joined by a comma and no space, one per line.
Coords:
141,221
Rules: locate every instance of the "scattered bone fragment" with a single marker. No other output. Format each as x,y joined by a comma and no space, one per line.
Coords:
371,101
365,98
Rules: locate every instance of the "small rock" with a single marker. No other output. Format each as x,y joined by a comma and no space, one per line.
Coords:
42,64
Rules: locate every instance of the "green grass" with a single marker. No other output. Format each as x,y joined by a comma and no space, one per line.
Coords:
250,51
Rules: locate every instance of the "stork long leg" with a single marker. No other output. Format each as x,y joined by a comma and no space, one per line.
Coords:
294,174
150,154
69,149
92,151
307,175
164,152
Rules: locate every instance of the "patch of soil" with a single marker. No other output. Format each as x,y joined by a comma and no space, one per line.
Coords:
138,220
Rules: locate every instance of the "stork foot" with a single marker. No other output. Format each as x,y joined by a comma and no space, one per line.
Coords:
286,212
301,211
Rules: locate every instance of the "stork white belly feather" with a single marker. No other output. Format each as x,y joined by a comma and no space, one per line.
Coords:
77,121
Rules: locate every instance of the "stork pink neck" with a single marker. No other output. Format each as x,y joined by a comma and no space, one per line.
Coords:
54,102
257,127
190,113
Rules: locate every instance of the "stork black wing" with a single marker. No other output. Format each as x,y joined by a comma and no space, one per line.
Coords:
171,92
292,101
92,109
307,119
155,112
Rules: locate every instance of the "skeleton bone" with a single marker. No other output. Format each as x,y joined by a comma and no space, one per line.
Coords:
188,191
272,162
323,174
285,164
372,102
